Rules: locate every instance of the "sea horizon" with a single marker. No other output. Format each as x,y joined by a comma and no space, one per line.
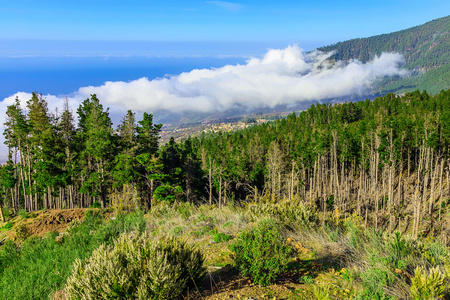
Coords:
64,75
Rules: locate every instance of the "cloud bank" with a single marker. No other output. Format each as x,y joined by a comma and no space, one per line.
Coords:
281,76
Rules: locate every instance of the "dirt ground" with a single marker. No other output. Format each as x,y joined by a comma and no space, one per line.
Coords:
45,221
54,220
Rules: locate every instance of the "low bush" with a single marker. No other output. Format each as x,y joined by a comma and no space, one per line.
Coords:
321,291
292,214
23,213
260,253
22,232
96,205
7,212
136,267
126,200
221,237
7,226
427,286
375,280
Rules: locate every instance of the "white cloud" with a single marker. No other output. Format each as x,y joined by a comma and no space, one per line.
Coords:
282,76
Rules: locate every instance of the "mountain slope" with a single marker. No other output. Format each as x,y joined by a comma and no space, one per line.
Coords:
426,49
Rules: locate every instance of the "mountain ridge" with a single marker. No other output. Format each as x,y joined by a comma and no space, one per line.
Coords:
426,50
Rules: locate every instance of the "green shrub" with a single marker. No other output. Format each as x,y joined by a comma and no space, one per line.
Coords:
136,267
122,223
7,212
322,292
292,214
260,253
96,205
23,213
375,279
176,231
185,209
398,250
435,253
427,286
22,232
221,237
202,230
7,226
168,193
306,279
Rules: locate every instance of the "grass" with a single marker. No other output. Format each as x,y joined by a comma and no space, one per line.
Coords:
43,264
342,260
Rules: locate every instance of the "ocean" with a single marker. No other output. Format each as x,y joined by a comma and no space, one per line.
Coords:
65,75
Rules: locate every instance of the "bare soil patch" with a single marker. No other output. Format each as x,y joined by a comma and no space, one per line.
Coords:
53,220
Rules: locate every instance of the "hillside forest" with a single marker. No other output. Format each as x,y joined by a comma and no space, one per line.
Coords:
386,160
424,48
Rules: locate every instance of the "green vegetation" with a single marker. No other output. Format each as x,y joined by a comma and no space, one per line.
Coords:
357,195
338,261
260,253
136,267
428,286
425,49
347,152
44,264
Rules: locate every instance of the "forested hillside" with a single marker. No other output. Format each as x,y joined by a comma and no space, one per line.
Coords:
426,49
386,160
354,198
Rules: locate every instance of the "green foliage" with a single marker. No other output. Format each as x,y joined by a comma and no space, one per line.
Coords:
398,249
44,264
322,292
185,209
347,275
424,47
202,230
306,279
136,267
221,237
23,213
22,232
9,253
375,279
7,212
7,226
176,230
290,213
167,193
428,286
96,205
434,253
260,253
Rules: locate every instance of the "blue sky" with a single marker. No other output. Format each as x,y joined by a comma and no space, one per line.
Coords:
248,24
172,56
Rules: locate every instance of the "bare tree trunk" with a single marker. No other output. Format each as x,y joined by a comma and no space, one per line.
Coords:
2,217
440,189
210,181
220,191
